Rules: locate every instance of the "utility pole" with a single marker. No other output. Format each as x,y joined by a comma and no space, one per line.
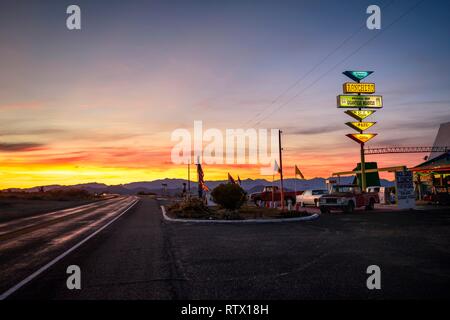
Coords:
281,169
189,178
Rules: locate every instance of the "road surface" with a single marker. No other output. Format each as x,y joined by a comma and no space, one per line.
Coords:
27,244
140,256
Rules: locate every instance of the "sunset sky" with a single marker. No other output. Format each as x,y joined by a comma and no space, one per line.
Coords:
100,104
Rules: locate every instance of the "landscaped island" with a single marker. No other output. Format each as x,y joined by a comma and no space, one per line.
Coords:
195,209
232,204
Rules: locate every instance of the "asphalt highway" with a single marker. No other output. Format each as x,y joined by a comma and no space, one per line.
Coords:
141,256
28,244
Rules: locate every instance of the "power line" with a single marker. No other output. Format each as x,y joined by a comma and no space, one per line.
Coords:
299,80
332,52
343,60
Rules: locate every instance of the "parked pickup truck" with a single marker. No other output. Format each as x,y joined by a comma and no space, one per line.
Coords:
347,198
311,197
266,195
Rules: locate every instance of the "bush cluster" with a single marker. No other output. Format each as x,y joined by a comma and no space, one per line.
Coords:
192,208
229,196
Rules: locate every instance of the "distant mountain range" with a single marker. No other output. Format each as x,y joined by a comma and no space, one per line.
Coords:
173,186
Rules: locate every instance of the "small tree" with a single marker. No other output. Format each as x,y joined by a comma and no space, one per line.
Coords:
229,196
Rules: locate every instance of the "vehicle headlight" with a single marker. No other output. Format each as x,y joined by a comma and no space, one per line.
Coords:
341,201
322,200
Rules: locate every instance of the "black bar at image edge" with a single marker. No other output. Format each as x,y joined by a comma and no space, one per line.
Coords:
197,309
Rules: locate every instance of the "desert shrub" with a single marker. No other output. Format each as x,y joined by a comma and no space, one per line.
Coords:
68,194
190,208
229,196
52,195
146,193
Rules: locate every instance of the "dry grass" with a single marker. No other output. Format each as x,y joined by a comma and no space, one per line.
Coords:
53,195
253,212
190,209
15,205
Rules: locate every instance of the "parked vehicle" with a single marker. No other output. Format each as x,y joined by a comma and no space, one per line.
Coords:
273,192
374,189
311,197
438,198
383,193
347,198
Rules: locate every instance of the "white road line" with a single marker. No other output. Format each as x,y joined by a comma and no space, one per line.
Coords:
10,291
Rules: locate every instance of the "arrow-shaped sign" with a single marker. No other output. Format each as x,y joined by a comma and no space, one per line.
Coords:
361,137
360,126
357,75
359,114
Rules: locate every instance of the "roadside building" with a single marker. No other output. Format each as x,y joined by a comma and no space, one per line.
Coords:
432,177
442,139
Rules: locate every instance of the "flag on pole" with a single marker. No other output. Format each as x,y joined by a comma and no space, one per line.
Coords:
276,167
201,181
298,173
230,179
239,180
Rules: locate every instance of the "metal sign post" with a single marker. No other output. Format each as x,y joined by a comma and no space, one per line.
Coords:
281,170
352,98
363,169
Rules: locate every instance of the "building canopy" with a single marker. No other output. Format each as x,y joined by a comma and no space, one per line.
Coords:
439,164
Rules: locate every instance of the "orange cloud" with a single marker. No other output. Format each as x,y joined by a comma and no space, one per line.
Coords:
22,105
71,162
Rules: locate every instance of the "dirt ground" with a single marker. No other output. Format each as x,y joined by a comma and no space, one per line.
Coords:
13,208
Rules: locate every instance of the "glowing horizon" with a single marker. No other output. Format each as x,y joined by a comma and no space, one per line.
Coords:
81,106
31,175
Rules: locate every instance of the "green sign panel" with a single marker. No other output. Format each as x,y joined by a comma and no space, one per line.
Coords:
350,101
357,75
372,178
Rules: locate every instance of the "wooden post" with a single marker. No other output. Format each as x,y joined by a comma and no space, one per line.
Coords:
363,169
281,169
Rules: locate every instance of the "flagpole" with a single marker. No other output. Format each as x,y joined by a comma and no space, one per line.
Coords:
281,169
295,185
273,189
199,178
189,178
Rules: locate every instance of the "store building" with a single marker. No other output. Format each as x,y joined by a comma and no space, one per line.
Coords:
432,177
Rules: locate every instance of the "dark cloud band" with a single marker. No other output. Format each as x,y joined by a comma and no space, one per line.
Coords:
15,147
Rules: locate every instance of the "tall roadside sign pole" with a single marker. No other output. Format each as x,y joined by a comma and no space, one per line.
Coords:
353,98
363,168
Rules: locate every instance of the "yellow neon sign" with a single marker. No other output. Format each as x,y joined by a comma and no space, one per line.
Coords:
353,101
361,137
360,114
360,126
352,87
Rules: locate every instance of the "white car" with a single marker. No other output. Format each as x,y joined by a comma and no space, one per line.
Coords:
311,197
